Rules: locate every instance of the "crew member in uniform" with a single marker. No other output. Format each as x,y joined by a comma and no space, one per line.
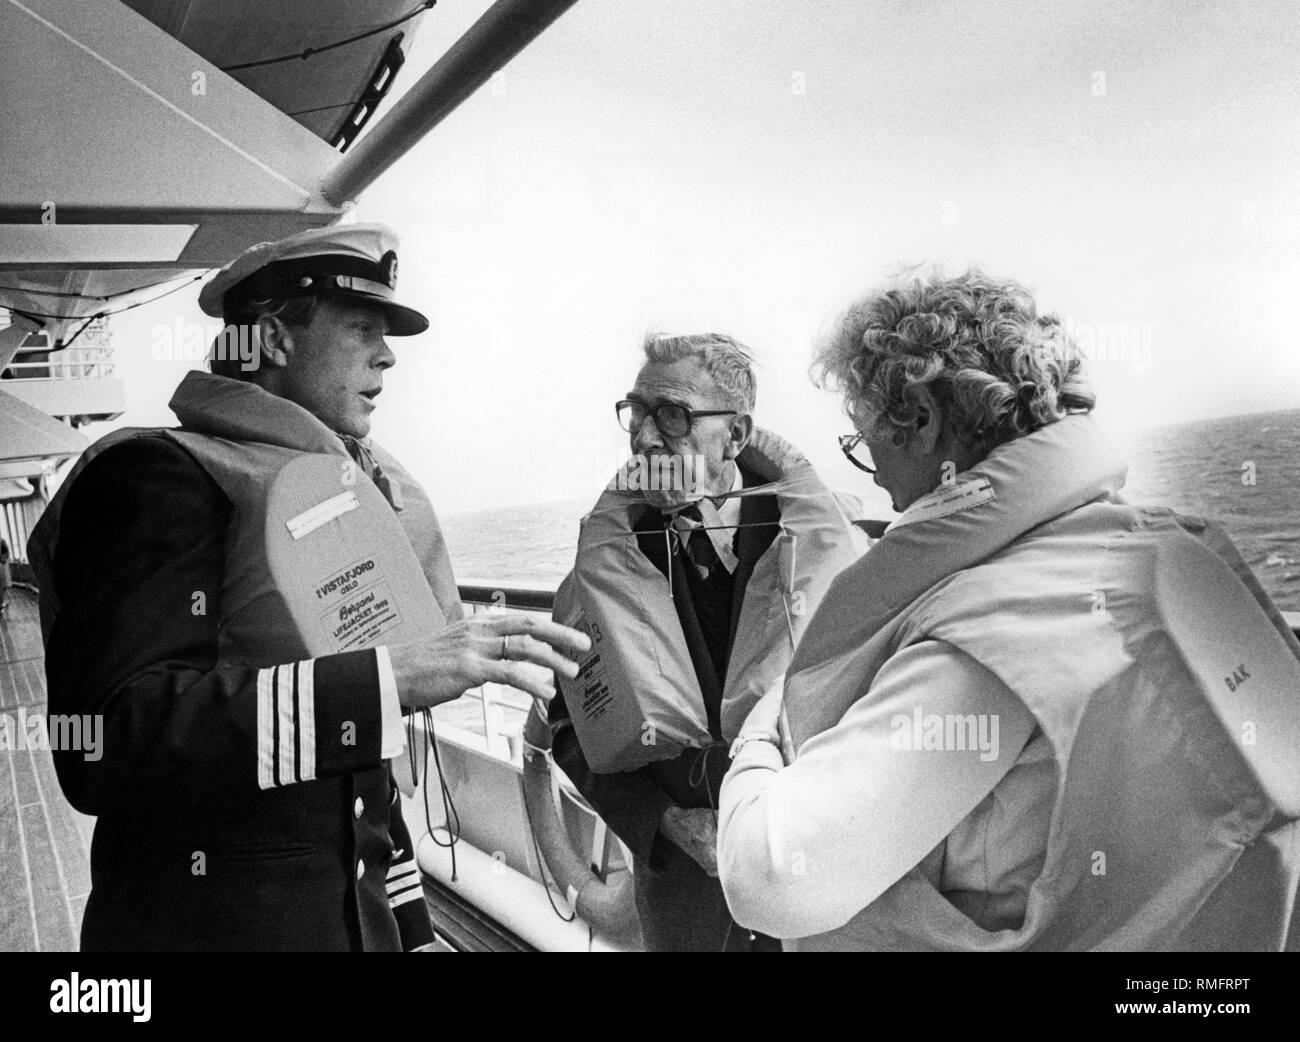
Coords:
244,795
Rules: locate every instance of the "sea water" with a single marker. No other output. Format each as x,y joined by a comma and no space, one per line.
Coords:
1242,471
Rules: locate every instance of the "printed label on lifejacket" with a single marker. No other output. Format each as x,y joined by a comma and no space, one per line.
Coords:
361,607
322,513
950,499
592,681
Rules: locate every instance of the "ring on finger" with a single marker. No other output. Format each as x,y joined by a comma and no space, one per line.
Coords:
505,647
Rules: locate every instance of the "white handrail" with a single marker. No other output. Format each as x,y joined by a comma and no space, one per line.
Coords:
75,363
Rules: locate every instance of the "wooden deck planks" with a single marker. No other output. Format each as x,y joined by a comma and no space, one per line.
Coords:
44,842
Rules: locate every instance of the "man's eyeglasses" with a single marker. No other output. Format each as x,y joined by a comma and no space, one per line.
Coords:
854,446
673,420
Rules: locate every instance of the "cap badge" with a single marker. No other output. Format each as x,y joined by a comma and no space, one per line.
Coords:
388,265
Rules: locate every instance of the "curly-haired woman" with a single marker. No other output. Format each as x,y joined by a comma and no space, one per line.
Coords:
1033,716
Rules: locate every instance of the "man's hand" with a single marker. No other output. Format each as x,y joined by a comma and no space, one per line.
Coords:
501,647
696,832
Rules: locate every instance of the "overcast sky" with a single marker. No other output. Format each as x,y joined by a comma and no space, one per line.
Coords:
749,167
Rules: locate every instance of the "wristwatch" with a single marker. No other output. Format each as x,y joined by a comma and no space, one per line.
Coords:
752,736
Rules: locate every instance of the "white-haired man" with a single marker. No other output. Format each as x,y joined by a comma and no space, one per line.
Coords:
694,573
244,797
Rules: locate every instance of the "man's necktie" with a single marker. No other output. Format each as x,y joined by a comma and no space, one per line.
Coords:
708,545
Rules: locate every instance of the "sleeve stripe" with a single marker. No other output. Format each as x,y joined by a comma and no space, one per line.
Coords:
307,720
414,894
296,730
396,883
275,727
286,737
265,730
286,724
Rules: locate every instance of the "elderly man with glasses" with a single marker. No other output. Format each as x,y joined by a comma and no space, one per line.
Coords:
695,572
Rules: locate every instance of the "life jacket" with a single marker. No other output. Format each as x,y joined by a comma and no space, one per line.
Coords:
637,698
1164,679
307,523
266,453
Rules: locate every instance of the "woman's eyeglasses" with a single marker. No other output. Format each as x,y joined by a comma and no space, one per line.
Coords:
854,446
673,420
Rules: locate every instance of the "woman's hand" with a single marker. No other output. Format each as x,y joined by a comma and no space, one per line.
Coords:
765,717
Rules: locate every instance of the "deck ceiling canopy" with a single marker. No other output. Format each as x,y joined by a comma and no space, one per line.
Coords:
129,159
147,141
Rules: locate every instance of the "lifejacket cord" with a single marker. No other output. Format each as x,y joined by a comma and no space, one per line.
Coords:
788,583
699,775
669,534
699,772
449,813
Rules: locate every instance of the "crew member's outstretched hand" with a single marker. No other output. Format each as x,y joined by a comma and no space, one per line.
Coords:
491,646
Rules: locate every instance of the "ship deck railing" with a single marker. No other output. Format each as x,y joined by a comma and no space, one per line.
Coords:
72,363
45,842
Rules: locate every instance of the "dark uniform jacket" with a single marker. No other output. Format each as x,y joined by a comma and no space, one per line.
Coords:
190,852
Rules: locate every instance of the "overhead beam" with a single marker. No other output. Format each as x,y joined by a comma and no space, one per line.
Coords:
505,29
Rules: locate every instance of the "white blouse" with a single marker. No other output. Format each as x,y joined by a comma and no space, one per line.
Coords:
941,766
